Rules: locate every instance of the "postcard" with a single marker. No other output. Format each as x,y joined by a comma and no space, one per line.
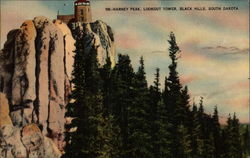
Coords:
124,79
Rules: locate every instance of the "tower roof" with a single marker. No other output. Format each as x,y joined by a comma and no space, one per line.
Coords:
81,1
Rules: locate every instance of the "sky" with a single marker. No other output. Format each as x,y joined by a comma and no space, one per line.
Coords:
214,58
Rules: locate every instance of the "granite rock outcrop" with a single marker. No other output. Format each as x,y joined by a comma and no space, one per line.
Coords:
35,72
36,64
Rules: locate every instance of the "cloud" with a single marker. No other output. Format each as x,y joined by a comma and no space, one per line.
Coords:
223,50
241,103
128,41
186,79
215,93
227,19
14,13
240,85
159,51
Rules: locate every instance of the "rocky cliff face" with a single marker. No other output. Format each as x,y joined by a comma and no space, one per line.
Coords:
99,35
35,71
28,141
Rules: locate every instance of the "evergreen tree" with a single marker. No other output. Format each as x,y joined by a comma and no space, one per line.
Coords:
91,121
185,141
155,99
106,74
185,106
246,142
196,132
205,140
112,146
233,145
223,144
216,133
113,130
208,136
172,93
91,137
139,135
236,149
201,131
176,100
159,121
73,141
163,137
185,128
122,97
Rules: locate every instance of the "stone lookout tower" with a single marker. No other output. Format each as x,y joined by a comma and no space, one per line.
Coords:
82,13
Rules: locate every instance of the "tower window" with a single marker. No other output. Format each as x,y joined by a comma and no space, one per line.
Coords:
82,19
81,12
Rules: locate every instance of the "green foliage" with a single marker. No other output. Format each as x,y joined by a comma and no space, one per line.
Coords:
159,121
246,141
116,115
138,123
216,133
93,133
233,143
121,98
176,101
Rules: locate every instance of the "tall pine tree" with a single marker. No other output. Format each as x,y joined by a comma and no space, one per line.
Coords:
246,142
216,133
233,147
139,135
155,99
122,98
176,100
91,136
74,108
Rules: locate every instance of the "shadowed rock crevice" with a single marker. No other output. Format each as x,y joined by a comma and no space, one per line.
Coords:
38,45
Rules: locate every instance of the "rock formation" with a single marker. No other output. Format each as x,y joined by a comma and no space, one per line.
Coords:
99,35
35,72
28,141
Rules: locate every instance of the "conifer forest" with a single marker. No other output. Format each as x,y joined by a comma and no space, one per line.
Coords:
116,114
